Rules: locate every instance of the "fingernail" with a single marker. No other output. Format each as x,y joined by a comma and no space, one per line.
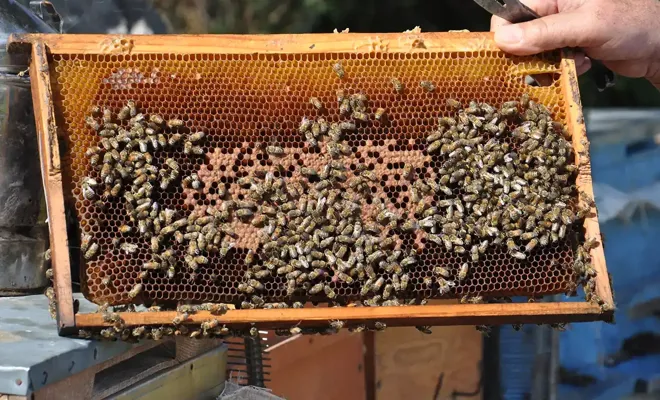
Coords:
510,34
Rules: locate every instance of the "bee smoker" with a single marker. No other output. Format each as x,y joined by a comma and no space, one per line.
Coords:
23,229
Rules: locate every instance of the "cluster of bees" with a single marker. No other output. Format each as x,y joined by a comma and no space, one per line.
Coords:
208,329
313,231
496,187
506,178
519,192
126,165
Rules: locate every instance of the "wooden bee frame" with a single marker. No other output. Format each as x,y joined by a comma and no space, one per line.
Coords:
41,45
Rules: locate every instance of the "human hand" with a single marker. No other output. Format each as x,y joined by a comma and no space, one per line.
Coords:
623,34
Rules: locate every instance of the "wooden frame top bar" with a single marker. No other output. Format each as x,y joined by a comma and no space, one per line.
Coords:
251,44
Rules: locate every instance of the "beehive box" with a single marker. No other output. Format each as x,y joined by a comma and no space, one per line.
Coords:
249,94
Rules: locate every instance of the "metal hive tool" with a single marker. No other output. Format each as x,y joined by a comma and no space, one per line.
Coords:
253,94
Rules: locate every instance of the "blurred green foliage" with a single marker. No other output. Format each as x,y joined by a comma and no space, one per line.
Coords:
299,16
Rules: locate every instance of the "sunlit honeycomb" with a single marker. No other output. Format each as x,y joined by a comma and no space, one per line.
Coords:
239,100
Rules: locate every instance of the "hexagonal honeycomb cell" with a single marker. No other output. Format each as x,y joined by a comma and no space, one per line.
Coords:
243,101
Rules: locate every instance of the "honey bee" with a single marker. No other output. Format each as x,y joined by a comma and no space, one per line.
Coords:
316,103
380,113
440,271
135,291
372,302
360,116
150,265
88,192
462,273
380,326
345,278
108,333
316,289
347,126
344,108
114,143
158,120
94,159
427,85
295,330
174,123
128,248
187,182
180,318
531,245
254,332
275,150
398,86
590,244
403,281
434,147
329,292
567,216
155,244
455,104
201,260
187,148
157,333
195,183
387,291
174,139
217,309
428,281
339,70
408,261
562,231
92,123
139,331
518,255
92,250
249,257
116,189
511,245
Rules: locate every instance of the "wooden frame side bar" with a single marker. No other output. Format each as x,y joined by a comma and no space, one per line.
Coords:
51,171
434,315
571,91
251,44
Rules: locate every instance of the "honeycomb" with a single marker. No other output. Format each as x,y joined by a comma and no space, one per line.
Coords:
243,101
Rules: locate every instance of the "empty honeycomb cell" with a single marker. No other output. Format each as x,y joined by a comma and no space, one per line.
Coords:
239,100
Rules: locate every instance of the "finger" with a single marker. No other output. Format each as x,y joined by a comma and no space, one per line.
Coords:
579,58
583,66
567,29
541,7
628,68
496,22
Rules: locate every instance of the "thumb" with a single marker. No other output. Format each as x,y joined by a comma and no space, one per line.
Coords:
566,29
